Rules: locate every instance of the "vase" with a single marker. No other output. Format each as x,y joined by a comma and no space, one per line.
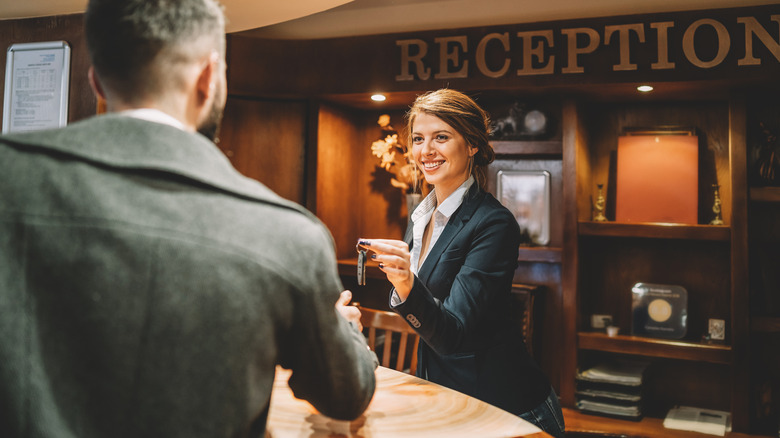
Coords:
412,201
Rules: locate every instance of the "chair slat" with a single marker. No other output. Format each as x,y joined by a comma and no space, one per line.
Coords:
389,323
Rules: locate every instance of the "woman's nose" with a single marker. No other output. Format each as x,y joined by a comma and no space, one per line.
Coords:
426,147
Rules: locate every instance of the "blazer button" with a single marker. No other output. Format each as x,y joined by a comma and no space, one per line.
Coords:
413,320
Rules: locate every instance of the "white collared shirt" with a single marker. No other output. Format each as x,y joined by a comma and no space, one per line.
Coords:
441,216
154,115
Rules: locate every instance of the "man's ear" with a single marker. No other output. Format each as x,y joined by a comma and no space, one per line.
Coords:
206,83
94,83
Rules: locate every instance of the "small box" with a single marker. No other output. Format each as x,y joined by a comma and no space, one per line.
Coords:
717,329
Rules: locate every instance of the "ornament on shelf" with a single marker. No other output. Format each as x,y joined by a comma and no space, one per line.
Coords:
598,215
716,206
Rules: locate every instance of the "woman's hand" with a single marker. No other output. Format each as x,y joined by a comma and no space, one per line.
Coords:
394,260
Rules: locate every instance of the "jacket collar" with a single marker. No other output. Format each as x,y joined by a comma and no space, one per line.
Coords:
457,221
130,143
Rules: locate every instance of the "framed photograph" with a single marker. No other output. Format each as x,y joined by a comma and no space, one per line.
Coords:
37,78
526,193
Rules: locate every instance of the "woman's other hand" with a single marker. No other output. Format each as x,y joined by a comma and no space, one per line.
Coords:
395,261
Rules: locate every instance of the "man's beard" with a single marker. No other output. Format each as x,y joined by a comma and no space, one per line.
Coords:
210,126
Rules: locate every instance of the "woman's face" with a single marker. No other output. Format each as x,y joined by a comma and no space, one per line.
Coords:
440,152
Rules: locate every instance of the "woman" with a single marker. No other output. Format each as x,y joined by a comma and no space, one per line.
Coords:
452,277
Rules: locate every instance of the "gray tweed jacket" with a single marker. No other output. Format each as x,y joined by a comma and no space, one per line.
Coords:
148,289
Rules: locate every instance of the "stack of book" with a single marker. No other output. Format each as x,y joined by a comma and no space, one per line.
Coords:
612,389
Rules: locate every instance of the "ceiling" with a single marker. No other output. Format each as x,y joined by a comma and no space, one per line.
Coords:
365,17
241,14
309,19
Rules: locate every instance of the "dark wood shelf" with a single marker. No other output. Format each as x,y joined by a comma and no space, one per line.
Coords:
765,324
651,347
648,427
521,147
765,194
542,254
655,230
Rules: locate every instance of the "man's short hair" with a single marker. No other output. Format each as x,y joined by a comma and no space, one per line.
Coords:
136,45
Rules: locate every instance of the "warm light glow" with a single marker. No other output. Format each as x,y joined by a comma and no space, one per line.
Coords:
645,88
378,97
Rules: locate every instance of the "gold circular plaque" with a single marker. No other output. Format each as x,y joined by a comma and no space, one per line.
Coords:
659,310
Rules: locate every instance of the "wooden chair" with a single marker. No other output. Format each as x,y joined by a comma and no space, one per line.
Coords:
389,324
526,299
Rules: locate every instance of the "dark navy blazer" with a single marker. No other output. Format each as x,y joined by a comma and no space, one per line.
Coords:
460,306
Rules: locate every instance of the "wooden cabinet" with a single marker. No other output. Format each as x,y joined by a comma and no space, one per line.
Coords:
602,260
764,260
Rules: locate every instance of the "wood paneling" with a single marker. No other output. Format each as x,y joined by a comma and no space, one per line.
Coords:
354,195
82,102
266,140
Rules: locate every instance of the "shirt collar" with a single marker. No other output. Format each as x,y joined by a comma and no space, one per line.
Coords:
447,207
154,115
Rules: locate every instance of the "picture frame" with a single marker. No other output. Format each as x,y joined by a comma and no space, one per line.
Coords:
526,193
37,82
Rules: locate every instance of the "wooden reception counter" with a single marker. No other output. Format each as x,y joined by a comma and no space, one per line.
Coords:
403,406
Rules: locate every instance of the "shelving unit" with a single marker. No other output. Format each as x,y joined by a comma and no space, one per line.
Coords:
655,231
765,194
552,148
649,347
602,260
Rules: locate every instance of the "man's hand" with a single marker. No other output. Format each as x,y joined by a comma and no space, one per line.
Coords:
350,313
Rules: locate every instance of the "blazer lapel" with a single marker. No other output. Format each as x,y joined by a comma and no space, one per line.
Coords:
456,223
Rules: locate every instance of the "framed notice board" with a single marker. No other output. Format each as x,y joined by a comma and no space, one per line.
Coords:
37,80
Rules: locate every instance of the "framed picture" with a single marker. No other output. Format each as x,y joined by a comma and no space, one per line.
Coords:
37,78
526,193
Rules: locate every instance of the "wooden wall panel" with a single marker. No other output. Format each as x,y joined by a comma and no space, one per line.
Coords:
337,188
354,196
82,102
266,140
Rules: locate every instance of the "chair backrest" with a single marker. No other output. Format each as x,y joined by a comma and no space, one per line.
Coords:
526,299
381,327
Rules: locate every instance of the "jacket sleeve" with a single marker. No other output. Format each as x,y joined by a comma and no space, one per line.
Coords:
333,369
477,275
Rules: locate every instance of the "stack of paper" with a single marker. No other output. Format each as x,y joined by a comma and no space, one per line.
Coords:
612,389
698,420
622,373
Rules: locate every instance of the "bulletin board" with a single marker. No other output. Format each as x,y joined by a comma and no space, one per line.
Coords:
37,81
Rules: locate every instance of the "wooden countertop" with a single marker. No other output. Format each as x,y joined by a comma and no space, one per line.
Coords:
403,406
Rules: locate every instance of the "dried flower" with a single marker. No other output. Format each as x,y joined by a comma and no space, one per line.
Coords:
395,158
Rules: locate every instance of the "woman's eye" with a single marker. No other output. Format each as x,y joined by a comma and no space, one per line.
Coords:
417,139
442,137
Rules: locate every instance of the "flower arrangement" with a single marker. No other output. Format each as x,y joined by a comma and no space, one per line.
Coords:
396,158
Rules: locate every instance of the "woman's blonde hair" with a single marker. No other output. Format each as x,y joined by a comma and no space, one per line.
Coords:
466,117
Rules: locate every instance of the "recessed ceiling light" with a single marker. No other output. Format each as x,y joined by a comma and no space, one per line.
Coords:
645,88
378,97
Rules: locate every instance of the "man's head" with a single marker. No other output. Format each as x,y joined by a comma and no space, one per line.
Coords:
167,54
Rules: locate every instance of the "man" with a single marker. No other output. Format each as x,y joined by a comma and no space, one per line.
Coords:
146,288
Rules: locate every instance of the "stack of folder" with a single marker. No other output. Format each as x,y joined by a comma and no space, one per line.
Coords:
612,389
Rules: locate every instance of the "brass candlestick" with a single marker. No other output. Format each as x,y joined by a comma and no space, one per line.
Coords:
599,207
716,206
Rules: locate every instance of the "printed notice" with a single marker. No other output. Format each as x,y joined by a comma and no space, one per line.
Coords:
36,86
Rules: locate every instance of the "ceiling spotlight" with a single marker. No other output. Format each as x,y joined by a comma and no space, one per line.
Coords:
378,97
645,88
